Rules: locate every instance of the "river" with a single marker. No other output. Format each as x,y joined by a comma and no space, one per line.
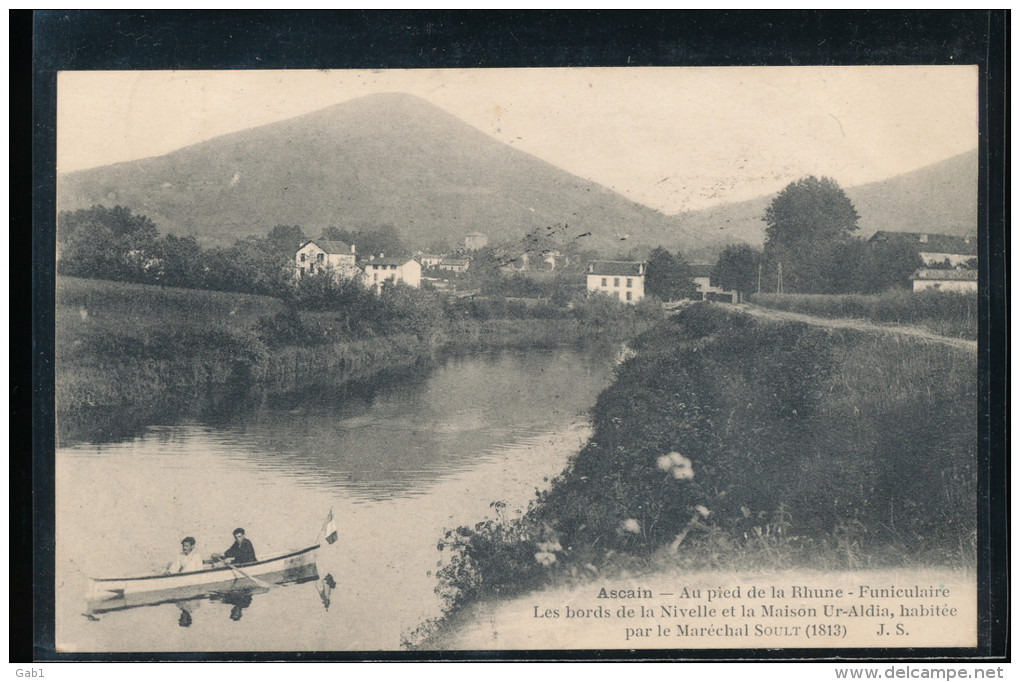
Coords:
398,461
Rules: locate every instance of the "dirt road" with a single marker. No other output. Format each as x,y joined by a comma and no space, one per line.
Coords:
858,324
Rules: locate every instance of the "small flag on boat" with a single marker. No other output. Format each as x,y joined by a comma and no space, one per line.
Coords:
330,528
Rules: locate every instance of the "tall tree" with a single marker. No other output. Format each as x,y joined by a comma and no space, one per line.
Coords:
805,221
107,243
737,269
285,240
667,276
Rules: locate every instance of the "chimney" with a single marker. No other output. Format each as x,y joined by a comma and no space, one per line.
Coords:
371,258
352,248
924,239
382,255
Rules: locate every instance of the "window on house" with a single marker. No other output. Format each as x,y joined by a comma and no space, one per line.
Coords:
320,257
616,281
630,283
304,257
375,277
604,282
629,293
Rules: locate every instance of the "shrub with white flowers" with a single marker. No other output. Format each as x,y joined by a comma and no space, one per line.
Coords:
678,466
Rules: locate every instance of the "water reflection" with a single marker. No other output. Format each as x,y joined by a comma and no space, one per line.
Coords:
325,588
190,609
401,459
239,600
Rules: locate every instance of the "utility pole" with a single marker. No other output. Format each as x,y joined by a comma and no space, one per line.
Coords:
779,279
759,278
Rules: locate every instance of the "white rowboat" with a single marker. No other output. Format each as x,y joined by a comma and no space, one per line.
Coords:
114,594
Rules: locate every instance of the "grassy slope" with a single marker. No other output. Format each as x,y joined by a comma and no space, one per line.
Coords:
827,448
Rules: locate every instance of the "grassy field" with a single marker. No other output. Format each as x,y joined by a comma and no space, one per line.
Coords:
945,313
130,353
735,443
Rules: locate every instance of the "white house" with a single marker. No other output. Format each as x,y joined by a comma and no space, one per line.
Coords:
324,255
378,270
945,280
702,274
623,279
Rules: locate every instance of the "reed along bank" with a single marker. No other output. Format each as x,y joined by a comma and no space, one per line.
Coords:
732,442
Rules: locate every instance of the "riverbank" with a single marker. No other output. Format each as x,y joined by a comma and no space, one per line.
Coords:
128,355
733,443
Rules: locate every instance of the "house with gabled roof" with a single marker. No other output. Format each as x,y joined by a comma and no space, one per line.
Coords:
934,249
624,280
401,269
326,255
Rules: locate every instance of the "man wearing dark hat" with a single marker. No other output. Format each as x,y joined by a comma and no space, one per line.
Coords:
241,552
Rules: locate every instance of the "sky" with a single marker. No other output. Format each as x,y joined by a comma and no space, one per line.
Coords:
674,139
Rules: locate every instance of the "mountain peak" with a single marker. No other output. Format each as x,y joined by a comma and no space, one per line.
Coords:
387,159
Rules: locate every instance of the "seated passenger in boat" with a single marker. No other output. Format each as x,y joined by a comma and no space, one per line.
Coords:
187,560
241,552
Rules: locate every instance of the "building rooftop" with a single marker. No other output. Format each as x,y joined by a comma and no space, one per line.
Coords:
929,242
617,268
330,246
385,261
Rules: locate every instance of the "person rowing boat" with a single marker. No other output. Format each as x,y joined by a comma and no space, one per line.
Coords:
241,552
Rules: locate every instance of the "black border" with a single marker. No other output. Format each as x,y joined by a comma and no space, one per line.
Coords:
45,41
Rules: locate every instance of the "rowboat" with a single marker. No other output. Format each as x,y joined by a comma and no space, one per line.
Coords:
115,594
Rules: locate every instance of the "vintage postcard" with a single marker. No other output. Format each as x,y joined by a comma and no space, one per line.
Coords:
569,359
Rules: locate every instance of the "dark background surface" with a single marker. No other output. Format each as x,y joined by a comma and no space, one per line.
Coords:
45,42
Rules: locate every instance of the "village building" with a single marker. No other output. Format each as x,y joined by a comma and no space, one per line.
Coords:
324,255
431,260
474,241
379,270
962,280
624,280
454,264
934,249
702,275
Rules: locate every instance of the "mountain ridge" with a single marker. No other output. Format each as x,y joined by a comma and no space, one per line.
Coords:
395,159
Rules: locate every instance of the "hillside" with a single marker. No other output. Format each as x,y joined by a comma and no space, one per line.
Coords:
395,159
940,198
383,159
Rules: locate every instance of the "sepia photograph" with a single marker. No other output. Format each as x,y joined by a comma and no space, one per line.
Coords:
481,359
433,362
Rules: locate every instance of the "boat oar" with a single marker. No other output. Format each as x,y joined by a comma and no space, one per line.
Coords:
236,569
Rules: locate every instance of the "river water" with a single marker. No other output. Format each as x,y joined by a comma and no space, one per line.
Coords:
398,462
